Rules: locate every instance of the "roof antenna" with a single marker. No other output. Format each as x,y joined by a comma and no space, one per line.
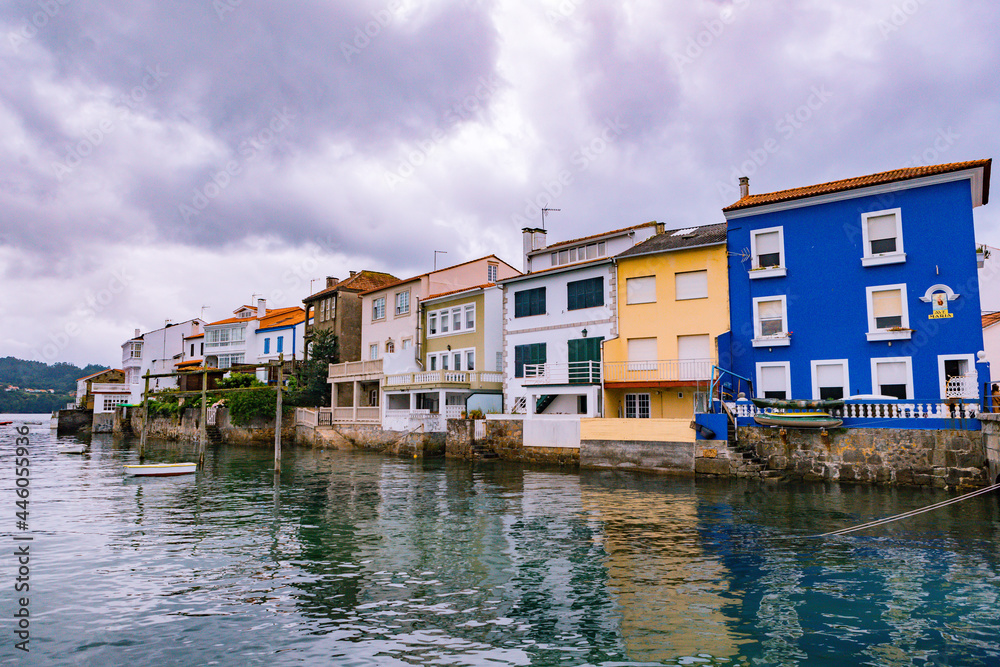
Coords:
546,210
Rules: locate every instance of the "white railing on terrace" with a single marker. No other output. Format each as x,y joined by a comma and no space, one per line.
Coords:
671,370
307,417
573,372
354,368
109,388
358,414
882,410
962,386
441,377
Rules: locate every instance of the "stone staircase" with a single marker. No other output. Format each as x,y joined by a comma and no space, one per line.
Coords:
748,463
214,434
481,452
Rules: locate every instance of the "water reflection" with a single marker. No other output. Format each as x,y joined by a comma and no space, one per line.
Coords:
357,558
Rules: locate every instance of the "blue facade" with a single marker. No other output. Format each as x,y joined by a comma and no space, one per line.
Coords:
822,309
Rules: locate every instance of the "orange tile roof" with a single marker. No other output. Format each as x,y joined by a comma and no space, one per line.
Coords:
283,317
269,313
201,335
362,281
989,319
863,182
86,377
594,236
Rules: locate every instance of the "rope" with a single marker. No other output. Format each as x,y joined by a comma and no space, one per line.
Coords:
879,522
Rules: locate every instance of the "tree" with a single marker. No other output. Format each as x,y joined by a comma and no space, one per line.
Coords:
314,389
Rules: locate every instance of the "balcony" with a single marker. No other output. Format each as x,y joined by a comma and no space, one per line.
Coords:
673,371
109,388
473,380
355,370
574,372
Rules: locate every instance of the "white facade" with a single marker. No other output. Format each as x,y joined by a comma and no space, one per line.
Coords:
991,345
155,352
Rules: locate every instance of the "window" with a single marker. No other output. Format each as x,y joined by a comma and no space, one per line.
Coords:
830,379
373,351
192,350
267,346
470,360
533,353
230,360
390,347
491,273
403,303
882,235
691,285
641,354
135,350
459,319
433,362
406,343
584,360
957,376
770,321
581,404
529,302
637,406
585,293
378,308
225,337
202,348
281,344
773,380
767,249
640,290
888,318
579,253
892,376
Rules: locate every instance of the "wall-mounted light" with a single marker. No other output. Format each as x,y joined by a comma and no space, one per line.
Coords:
584,332
449,348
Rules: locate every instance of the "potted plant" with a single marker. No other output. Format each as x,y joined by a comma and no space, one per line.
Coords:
982,254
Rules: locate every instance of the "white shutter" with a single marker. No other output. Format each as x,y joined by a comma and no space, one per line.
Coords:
772,378
694,347
887,303
640,290
891,372
882,227
642,349
769,310
830,375
767,243
692,285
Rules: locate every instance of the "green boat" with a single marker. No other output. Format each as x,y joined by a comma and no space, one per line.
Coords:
792,404
811,419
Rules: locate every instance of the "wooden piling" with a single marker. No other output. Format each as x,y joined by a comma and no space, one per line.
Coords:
145,419
277,418
203,430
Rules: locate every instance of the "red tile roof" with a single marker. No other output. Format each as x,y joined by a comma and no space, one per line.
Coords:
283,317
863,182
989,319
362,281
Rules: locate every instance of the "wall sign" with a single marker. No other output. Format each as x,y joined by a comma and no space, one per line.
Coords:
939,296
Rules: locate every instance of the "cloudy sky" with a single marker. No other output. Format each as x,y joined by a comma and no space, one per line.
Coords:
167,160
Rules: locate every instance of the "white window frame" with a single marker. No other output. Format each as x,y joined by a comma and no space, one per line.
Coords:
909,374
772,272
873,334
970,359
373,351
402,303
444,360
135,351
445,318
759,340
406,343
637,398
897,257
378,309
773,364
491,272
830,362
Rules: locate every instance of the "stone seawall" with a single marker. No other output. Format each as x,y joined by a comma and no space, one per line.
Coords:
372,437
186,426
504,440
946,458
991,443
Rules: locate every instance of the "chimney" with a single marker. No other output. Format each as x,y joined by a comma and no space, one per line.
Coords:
660,227
744,187
331,281
533,239
261,307
137,333
353,273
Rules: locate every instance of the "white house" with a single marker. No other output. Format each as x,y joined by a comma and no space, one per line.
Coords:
156,351
255,335
555,318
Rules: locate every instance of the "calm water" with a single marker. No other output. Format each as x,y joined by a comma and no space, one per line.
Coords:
361,559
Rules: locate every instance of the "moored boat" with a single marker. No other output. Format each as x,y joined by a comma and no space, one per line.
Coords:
73,449
810,419
798,404
161,469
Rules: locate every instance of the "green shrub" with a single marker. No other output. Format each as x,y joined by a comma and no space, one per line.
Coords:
245,406
240,381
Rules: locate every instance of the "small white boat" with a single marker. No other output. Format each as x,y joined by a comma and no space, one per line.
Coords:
73,449
161,469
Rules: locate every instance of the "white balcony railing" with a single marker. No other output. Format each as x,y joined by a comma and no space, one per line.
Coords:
442,378
371,368
663,370
358,414
881,410
574,372
962,386
109,388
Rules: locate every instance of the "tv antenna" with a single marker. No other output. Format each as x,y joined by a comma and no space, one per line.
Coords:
547,210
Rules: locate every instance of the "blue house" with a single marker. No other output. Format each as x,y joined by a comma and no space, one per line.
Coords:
862,287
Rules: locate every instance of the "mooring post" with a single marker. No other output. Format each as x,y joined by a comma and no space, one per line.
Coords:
203,431
145,418
277,419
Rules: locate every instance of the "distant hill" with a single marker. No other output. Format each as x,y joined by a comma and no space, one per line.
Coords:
60,377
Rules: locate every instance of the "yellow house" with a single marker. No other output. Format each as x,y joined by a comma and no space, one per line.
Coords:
673,302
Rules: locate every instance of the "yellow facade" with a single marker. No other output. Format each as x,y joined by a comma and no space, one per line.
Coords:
671,394
473,339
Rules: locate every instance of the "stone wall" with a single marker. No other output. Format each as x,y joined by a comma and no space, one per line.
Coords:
186,426
940,458
991,443
104,422
505,439
655,456
373,438
71,421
